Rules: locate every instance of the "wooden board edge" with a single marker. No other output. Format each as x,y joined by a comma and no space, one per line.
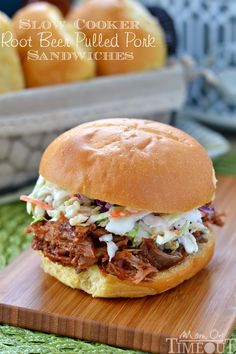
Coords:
120,336
93,331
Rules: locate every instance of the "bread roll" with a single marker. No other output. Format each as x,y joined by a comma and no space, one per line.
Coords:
55,59
11,75
126,11
94,282
63,5
138,163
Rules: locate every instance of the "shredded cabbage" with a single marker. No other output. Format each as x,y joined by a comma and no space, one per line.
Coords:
172,245
184,228
138,233
167,237
37,219
111,246
98,217
189,242
122,225
168,230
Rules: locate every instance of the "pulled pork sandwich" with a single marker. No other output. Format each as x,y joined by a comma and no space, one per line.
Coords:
122,208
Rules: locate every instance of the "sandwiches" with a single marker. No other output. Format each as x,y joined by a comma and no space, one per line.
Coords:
122,34
122,208
48,48
11,75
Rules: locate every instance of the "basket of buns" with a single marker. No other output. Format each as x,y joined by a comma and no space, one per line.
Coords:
104,59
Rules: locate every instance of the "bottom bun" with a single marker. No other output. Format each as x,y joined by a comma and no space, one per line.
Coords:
98,284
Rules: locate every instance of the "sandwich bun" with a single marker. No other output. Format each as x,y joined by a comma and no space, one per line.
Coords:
40,67
94,282
11,74
136,163
143,56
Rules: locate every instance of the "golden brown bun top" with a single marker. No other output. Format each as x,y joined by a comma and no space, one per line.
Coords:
131,162
144,57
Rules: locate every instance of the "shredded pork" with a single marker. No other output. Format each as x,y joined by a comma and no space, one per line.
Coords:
80,247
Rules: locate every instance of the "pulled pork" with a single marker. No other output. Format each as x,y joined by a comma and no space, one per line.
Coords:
128,265
72,245
80,247
158,258
215,219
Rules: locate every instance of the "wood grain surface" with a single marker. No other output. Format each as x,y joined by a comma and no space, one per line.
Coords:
202,307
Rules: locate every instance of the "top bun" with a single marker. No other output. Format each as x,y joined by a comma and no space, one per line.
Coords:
117,59
136,163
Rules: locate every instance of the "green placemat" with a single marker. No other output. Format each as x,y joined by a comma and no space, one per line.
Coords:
22,341
13,219
226,164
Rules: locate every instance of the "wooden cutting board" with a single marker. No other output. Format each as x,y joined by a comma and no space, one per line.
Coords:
200,312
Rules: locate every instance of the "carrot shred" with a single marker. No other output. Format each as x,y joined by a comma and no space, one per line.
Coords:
121,213
37,202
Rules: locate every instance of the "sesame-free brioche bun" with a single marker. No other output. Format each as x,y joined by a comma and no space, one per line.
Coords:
136,163
94,282
53,55
127,54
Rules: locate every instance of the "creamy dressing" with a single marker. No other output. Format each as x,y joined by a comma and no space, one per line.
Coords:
122,225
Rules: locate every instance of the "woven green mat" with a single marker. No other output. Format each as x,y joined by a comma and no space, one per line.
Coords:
13,219
226,164
21,341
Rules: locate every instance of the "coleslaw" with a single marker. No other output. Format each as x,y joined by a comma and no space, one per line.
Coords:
48,201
